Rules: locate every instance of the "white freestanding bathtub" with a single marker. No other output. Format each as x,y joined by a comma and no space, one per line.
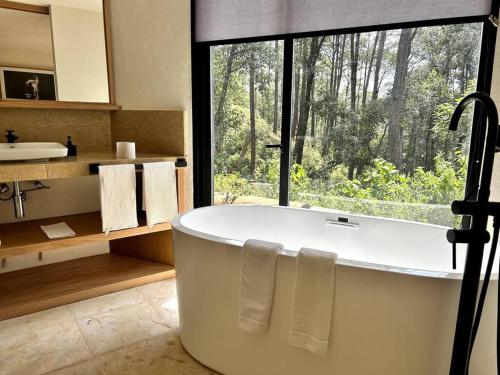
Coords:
395,302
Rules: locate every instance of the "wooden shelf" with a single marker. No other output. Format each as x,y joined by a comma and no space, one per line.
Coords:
34,289
27,237
52,104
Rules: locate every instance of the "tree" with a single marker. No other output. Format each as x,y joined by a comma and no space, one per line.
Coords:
378,64
314,50
353,146
398,96
219,114
253,138
368,70
276,87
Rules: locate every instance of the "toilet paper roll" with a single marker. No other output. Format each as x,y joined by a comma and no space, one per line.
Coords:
125,150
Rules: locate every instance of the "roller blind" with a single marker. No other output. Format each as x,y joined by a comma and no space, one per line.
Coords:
232,19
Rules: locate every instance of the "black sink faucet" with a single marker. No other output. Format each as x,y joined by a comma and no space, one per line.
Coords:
11,137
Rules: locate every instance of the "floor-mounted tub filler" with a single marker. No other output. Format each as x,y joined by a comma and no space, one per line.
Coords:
395,299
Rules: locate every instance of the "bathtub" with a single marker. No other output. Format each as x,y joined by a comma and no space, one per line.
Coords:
395,302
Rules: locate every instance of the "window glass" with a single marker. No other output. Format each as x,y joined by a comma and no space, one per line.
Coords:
369,128
370,121
246,106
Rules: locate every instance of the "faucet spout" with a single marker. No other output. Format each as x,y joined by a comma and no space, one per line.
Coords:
484,99
492,140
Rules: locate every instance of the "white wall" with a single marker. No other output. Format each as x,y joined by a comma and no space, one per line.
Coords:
152,58
151,53
80,54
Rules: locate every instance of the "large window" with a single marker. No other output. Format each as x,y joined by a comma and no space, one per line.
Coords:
369,123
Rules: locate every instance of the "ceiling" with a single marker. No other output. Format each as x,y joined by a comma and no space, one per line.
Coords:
94,5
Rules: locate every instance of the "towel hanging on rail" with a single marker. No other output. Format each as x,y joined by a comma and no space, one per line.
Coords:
159,192
117,193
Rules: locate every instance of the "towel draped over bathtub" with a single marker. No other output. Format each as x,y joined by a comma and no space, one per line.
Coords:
313,300
258,265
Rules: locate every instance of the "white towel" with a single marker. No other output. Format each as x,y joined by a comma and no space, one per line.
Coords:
159,188
258,265
313,300
59,230
117,190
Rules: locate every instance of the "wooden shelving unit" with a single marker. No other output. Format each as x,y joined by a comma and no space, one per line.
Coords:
27,237
137,256
34,289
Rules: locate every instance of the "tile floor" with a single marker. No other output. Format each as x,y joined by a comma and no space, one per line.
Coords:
135,331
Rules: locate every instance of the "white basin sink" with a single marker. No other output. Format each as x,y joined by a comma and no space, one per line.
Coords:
31,151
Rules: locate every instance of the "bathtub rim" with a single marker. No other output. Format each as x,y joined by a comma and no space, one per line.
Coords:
177,225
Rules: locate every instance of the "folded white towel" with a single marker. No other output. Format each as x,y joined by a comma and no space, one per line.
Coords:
117,191
313,300
159,188
258,265
59,230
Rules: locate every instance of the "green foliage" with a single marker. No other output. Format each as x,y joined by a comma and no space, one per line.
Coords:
381,191
231,186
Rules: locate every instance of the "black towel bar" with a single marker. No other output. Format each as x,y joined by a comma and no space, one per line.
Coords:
94,167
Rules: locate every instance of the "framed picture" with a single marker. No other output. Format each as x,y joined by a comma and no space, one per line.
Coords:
30,84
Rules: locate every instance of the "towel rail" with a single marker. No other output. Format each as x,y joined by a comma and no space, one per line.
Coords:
94,167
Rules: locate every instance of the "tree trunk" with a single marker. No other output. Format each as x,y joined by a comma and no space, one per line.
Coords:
253,146
378,64
398,97
331,94
314,50
276,86
351,153
354,68
296,99
313,112
337,80
369,70
219,114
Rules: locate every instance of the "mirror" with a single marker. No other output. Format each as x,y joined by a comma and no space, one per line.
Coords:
53,50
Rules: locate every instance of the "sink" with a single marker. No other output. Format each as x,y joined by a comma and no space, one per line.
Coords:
31,151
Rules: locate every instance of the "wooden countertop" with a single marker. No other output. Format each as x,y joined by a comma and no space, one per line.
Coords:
71,166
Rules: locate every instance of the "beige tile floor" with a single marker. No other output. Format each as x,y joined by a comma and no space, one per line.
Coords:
135,331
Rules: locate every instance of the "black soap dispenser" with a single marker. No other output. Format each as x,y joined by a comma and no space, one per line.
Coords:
71,147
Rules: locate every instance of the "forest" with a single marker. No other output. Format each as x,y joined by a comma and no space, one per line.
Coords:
369,129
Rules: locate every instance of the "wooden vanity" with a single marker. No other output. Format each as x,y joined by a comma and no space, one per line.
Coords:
137,256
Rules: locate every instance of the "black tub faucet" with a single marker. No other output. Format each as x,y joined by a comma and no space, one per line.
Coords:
11,137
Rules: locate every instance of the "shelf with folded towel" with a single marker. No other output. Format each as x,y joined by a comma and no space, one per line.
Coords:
34,289
27,237
75,166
